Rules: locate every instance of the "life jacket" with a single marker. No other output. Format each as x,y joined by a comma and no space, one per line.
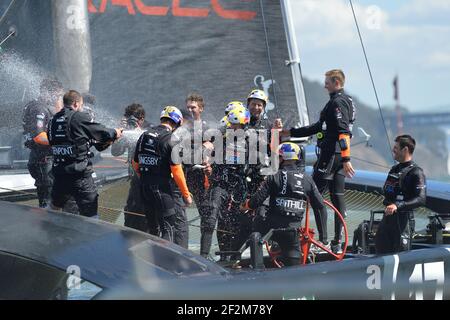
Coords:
290,199
261,123
393,187
325,133
36,115
231,174
150,157
65,149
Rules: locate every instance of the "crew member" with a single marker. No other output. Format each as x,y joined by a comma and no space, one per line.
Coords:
36,117
404,190
153,163
228,182
133,121
224,124
70,134
89,102
256,104
259,124
333,151
196,171
288,189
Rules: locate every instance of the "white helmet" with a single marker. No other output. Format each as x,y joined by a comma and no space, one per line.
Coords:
258,94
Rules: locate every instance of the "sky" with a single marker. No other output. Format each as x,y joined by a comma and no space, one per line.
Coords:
410,38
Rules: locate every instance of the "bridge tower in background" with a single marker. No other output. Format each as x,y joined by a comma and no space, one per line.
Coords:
397,107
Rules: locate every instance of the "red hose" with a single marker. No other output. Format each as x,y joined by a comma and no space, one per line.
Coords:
273,257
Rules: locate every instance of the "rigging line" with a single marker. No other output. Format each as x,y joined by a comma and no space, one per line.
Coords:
269,60
358,144
374,163
6,39
6,11
189,222
371,77
19,191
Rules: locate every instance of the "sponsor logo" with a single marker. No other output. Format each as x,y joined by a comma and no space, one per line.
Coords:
148,160
290,204
133,7
62,150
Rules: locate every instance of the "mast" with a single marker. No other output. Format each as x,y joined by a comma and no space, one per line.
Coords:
72,43
294,62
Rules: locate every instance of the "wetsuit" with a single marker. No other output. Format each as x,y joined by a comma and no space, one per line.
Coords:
227,190
36,116
71,205
262,128
405,187
161,198
134,209
71,135
333,148
198,183
288,189
263,137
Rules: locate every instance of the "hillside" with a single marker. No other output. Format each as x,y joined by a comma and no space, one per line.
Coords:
431,153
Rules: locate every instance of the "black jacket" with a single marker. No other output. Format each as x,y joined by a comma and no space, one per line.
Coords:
71,134
231,170
290,183
336,117
36,116
405,187
154,155
260,123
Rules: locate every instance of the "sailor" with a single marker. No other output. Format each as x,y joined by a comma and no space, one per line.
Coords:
89,102
289,190
133,122
259,126
404,190
224,124
228,182
36,116
256,104
197,170
159,175
214,189
334,131
70,134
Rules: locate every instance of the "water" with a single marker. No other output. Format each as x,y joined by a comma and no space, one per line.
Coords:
20,78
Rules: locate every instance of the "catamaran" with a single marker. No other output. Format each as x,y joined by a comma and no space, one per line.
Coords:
124,51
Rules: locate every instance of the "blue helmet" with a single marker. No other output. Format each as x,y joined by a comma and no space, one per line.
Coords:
172,113
289,151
